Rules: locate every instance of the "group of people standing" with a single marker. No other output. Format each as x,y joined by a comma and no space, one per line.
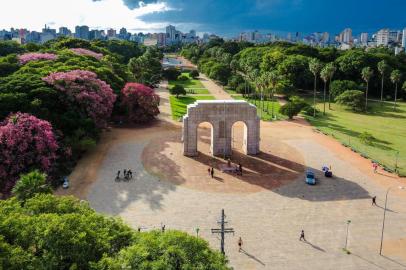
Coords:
128,174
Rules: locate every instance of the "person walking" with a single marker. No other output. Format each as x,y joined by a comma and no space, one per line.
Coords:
163,228
130,174
125,173
212,172
302,236
239,244
373,200
118,175
209,171
375,166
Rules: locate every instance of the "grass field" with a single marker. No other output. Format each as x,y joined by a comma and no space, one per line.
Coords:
191,83
179,105
267,114
386,126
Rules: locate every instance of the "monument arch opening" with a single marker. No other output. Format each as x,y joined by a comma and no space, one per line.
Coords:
205,135
221,114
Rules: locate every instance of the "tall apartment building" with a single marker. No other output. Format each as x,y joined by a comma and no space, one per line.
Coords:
404,38
382,37
64,31
82,32
346,36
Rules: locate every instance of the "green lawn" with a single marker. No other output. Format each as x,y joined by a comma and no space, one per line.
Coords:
387,127
191,83
267,112
179,105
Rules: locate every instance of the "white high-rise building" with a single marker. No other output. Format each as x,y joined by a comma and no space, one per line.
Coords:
404,38
364,38
382,37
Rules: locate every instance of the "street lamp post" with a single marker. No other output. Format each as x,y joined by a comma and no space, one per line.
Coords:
384,216
346,237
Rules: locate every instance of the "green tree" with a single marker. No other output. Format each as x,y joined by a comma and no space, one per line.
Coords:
31,184
352,98
395,78
52,232
315,67
367,74
382,68
177,90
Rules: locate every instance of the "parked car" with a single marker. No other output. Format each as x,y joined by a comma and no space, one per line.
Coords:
310,177
65,182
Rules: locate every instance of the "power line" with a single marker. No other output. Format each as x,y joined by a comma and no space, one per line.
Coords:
222,231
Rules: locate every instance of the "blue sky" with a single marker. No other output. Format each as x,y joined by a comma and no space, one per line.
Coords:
225,17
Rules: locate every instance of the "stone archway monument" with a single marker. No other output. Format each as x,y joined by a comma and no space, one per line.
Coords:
221,114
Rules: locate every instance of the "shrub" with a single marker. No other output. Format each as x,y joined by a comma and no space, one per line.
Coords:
94,96
309,110
244,88
26,143
177,90
171,74
293,107
354,99
140,102
366,138
183,78
194,73
338,87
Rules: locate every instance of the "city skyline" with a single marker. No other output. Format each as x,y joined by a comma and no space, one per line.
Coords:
305,16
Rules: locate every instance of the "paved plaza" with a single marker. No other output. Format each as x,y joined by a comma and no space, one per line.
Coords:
267,207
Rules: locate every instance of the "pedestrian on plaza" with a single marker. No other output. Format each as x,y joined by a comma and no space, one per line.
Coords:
209,171
239,244
375,166
125,173
212,172
374,200
163,228
302,236
130,174
240,169
118,175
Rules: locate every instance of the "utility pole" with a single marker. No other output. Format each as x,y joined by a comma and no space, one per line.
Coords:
222,231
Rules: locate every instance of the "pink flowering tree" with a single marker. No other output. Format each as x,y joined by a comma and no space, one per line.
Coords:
28,57
93,95
81,51
140,102
26,143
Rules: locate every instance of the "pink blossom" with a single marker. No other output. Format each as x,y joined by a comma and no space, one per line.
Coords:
140,101
26,142
81,51
28,57
92,94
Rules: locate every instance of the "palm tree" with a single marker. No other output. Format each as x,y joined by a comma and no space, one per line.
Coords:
382,68
315,67
395,78
325,76
367,74
260,84
331,71
272,79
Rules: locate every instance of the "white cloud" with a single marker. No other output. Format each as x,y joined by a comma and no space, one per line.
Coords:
34,14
